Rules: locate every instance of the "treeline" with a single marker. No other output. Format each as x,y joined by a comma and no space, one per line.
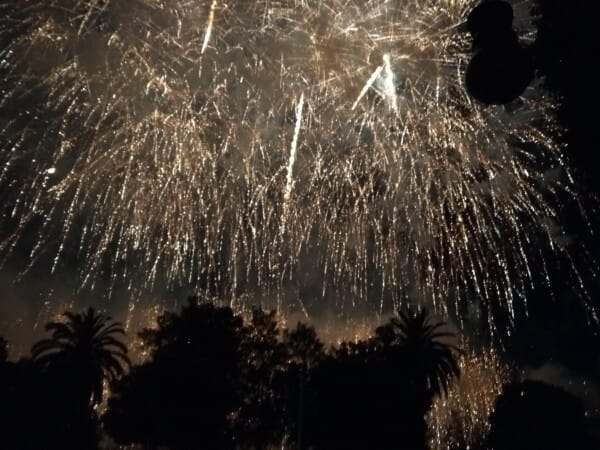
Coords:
215,381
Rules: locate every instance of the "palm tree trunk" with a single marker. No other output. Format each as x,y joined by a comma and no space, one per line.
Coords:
299,442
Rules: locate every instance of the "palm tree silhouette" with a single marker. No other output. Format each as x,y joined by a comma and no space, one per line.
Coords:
87,347
425,347
421,353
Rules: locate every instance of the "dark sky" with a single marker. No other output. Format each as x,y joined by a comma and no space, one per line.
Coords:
567,49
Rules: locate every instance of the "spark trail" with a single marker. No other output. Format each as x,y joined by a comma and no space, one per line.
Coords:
209,26
289,183
118,149
368,86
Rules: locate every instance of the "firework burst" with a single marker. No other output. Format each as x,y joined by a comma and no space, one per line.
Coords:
259,144
461,419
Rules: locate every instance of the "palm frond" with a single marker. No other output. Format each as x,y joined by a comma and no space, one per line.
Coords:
88,342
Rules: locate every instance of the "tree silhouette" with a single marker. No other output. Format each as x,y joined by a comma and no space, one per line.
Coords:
430,358
346,409
49,401
85,348
304,351
260,420
20,385
66,378
185,396
534,415
24,407
217,383
420,353
3,350
303,346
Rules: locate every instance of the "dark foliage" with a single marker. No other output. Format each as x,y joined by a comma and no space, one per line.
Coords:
534,415
214,382
3,350
260,419
426,350
186,394
49,402
85,351
361,391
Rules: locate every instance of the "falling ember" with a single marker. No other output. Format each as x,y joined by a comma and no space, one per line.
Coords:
461,420
289,184
209,26
368,85
114,146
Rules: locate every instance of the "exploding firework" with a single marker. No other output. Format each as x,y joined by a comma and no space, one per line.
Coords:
257,145
461,420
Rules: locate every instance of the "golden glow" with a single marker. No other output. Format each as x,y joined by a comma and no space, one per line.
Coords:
461,420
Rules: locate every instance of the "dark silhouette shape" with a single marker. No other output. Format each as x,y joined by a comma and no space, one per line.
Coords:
261,419
214,383
375,394
185,397
65,382
533,415
84,349
303,346
501,69
304,351
424,345
3,350
346,410
49,401
429,361
135,415
25,420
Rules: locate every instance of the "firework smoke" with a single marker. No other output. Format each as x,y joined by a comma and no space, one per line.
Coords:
166,140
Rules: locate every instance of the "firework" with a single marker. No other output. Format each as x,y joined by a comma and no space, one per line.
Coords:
461,420
253,145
